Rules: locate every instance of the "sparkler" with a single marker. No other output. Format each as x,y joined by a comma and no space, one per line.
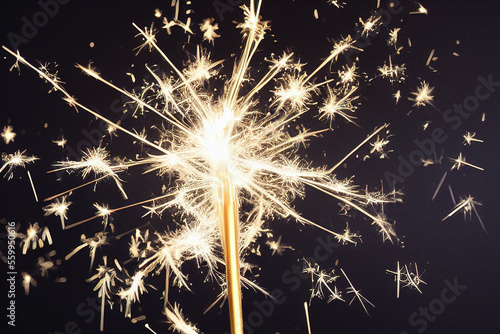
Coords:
234,160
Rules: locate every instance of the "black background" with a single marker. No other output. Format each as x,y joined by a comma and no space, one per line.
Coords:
457,248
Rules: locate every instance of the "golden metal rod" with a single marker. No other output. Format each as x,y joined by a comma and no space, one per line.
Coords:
230,241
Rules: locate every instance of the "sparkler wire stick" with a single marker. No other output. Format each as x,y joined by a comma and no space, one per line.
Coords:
230,241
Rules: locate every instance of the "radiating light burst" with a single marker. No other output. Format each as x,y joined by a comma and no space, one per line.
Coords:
58,208
423,95
17,159
212,143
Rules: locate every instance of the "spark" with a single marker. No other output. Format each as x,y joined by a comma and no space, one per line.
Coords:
27,282
397,278
348,74
110,129
104,212
106,281
422,95
137,319
133,292
17,159
45,266
277,246
8,134
149,328
60,142
50,76
295,91
177,247
430,57
460,161
149,38
421,10
413,278
179,324
397,96
356,293
339,103
95,160
471,137
35,236
337,3
200,68
321,280
92,243
427,162
168,25
467,205
407,277
209,29
394,73
393,36
379,147
135,243
58,208
370,25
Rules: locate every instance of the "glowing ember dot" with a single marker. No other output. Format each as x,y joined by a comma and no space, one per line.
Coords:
7,134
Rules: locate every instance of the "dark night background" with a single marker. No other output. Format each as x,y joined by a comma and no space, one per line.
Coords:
456,249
